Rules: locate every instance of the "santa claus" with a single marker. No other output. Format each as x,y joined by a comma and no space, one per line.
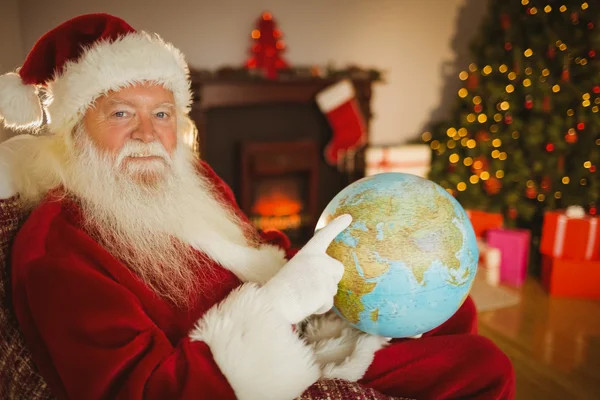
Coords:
136,275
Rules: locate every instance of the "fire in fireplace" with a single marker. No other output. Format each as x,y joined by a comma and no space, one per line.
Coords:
278,205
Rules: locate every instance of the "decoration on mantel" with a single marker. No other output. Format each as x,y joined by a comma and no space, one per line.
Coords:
267,47
339,104
313,72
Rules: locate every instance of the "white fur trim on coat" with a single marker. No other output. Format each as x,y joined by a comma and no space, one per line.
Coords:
255,348
20,106
107,66
249,264
265,262
342,351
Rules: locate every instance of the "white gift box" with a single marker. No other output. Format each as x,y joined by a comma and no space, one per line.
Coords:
410,158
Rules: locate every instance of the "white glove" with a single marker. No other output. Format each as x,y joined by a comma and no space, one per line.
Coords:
307,284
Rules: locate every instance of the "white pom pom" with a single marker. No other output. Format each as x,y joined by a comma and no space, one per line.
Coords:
20,105
575,212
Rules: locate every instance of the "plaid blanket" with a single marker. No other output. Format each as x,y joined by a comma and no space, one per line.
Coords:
18,376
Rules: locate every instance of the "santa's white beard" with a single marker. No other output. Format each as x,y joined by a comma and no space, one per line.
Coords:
146,213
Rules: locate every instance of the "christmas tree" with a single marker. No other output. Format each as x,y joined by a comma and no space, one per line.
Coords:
267,47
524,136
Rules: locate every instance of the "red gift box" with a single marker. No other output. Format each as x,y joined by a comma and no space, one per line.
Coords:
570,236
569,278
483,221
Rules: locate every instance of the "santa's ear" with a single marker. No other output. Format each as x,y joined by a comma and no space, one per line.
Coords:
20,105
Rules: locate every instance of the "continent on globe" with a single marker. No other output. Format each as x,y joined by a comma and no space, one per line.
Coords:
410,254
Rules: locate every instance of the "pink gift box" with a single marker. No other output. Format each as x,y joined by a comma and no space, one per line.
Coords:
514,249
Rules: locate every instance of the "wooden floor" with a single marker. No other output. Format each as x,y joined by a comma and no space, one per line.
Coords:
554,344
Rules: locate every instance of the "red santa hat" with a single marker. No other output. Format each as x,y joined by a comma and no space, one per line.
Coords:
82,59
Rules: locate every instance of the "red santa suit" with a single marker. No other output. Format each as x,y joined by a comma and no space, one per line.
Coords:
98,332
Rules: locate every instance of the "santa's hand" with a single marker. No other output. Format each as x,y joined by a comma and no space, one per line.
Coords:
307,284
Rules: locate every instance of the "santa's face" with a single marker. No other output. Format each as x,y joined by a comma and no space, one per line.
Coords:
137,127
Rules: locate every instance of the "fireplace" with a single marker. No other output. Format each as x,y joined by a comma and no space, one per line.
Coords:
279,184
266,139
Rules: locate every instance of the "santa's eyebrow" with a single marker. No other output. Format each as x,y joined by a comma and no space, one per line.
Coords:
166,104
117,102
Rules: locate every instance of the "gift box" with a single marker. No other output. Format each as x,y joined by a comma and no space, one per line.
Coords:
571,278
571,235
483,221
514,253
412,159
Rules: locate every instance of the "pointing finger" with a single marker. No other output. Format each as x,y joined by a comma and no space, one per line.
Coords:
323,238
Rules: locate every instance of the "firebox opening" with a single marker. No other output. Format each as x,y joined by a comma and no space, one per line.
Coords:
278,203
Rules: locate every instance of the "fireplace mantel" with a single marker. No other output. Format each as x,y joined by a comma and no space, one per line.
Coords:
211,93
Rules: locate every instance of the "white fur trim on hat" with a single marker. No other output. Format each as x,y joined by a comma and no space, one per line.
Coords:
107,66
20,105
255,348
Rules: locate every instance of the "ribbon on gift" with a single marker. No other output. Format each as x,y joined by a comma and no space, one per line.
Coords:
561,229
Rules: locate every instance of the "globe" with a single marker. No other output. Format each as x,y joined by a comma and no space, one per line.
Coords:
410,254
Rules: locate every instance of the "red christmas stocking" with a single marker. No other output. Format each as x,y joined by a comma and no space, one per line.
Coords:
338,102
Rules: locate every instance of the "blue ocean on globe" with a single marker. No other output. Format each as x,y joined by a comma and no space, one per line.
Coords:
410,254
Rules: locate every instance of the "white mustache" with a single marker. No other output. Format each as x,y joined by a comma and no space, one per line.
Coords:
134,148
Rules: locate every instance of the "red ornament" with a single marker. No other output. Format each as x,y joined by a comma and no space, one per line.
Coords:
508,46
581,126
565,76
571,138
546,184
492,186
575,17
551,51
472,81
478,108
267,49
591,25
549,147
528,104
546,104
508,119
592,53
482,136
596,89
593,168
512,213
592,211
531,192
